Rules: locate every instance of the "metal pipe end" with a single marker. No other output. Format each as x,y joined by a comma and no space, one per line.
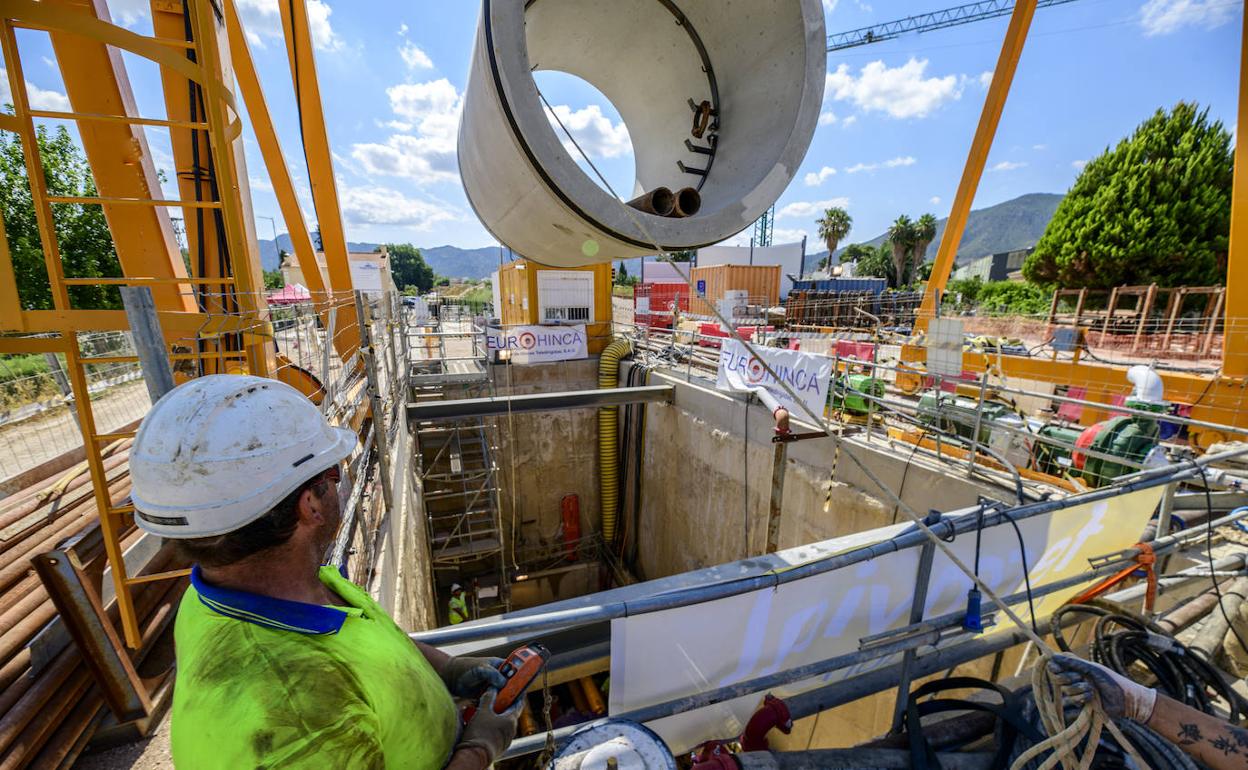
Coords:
658,201
687,202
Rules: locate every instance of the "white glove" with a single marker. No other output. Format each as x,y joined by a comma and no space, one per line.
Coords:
1120,697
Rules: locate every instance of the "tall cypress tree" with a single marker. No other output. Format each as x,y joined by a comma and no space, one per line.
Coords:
1154,209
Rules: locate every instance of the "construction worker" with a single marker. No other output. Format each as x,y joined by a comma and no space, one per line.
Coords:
457,607
282,662
1215,742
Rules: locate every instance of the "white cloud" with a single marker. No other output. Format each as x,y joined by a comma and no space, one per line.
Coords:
816,178
424,149
414,58
1039,147
847,122
128,12
260,183
900,92
1161,17
1008,165
829,6
1078,164
402,28
593,131
383,206
39,98
262,21
394,125
985,79
827,118
786,235
934,200
898,162
807,209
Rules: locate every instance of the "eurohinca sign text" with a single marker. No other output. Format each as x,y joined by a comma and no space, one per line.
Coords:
807,375
535,344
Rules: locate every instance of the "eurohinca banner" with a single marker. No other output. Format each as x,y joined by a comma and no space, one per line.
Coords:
535,344
661,656
808,375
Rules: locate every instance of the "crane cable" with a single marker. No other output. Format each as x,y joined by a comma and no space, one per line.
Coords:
1064,740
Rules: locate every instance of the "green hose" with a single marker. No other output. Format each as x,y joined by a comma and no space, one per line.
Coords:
608,431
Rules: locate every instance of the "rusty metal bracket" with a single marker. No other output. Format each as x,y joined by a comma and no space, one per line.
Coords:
82,611
702,114
787,438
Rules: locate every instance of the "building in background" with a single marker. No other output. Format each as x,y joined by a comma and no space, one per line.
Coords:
370,270
994,267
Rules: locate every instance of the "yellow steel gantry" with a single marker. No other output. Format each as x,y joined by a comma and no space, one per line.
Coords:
219,303
1218,398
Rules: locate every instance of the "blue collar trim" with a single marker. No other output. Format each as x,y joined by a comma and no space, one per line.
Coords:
279,614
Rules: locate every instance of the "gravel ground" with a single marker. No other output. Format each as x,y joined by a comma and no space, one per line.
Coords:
150,754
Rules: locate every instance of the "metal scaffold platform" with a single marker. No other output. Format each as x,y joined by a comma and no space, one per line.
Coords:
456,457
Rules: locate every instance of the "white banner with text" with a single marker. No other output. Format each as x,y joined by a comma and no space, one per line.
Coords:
808,375
536,344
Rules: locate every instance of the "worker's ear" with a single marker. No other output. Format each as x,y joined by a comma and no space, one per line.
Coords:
309,507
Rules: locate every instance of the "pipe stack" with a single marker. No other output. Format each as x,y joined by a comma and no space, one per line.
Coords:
49,708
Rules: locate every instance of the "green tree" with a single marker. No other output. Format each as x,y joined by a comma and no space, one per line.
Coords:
408,267
924,234
1154,209
902,236
876,263
854,252
1013,298
964,292
273,279
834,225
682,256
621,275
83,238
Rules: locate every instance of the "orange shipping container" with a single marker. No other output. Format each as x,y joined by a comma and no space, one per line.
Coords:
761,282
534,294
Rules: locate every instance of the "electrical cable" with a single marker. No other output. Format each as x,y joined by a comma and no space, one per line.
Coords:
1209,553
1122,641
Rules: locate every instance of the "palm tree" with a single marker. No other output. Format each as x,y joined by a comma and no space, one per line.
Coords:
833,226
902,236
924,233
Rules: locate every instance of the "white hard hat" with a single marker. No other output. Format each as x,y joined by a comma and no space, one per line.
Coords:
218,452
456,587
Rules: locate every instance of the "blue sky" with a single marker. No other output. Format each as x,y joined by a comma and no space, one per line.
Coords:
897,116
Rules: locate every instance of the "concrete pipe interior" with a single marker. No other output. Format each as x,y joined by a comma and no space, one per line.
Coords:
747,75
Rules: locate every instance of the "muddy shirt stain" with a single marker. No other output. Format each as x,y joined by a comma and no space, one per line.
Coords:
250,695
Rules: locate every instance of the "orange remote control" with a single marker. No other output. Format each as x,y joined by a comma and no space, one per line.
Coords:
520,668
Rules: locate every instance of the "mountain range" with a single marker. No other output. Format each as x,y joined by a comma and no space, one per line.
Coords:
450,261
1013,224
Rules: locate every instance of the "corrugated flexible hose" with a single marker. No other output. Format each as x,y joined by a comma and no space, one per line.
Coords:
608,432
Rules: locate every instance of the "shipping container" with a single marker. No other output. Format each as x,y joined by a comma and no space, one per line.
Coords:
653,303
872,285
530,293
760,282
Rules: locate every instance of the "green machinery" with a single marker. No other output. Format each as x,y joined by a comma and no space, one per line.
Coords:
850,393
1129,437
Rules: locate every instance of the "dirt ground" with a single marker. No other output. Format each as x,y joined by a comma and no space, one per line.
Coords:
30,442
150,754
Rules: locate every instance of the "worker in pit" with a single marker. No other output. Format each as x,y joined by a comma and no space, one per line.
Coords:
282,662
1214,742
457,607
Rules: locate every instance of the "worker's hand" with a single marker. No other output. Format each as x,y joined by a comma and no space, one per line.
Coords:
490,732
469,677
1120,697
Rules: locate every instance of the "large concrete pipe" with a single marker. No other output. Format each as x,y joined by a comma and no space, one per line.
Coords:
718,95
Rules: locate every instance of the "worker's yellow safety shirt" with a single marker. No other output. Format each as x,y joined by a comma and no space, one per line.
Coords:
457,609
265,682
